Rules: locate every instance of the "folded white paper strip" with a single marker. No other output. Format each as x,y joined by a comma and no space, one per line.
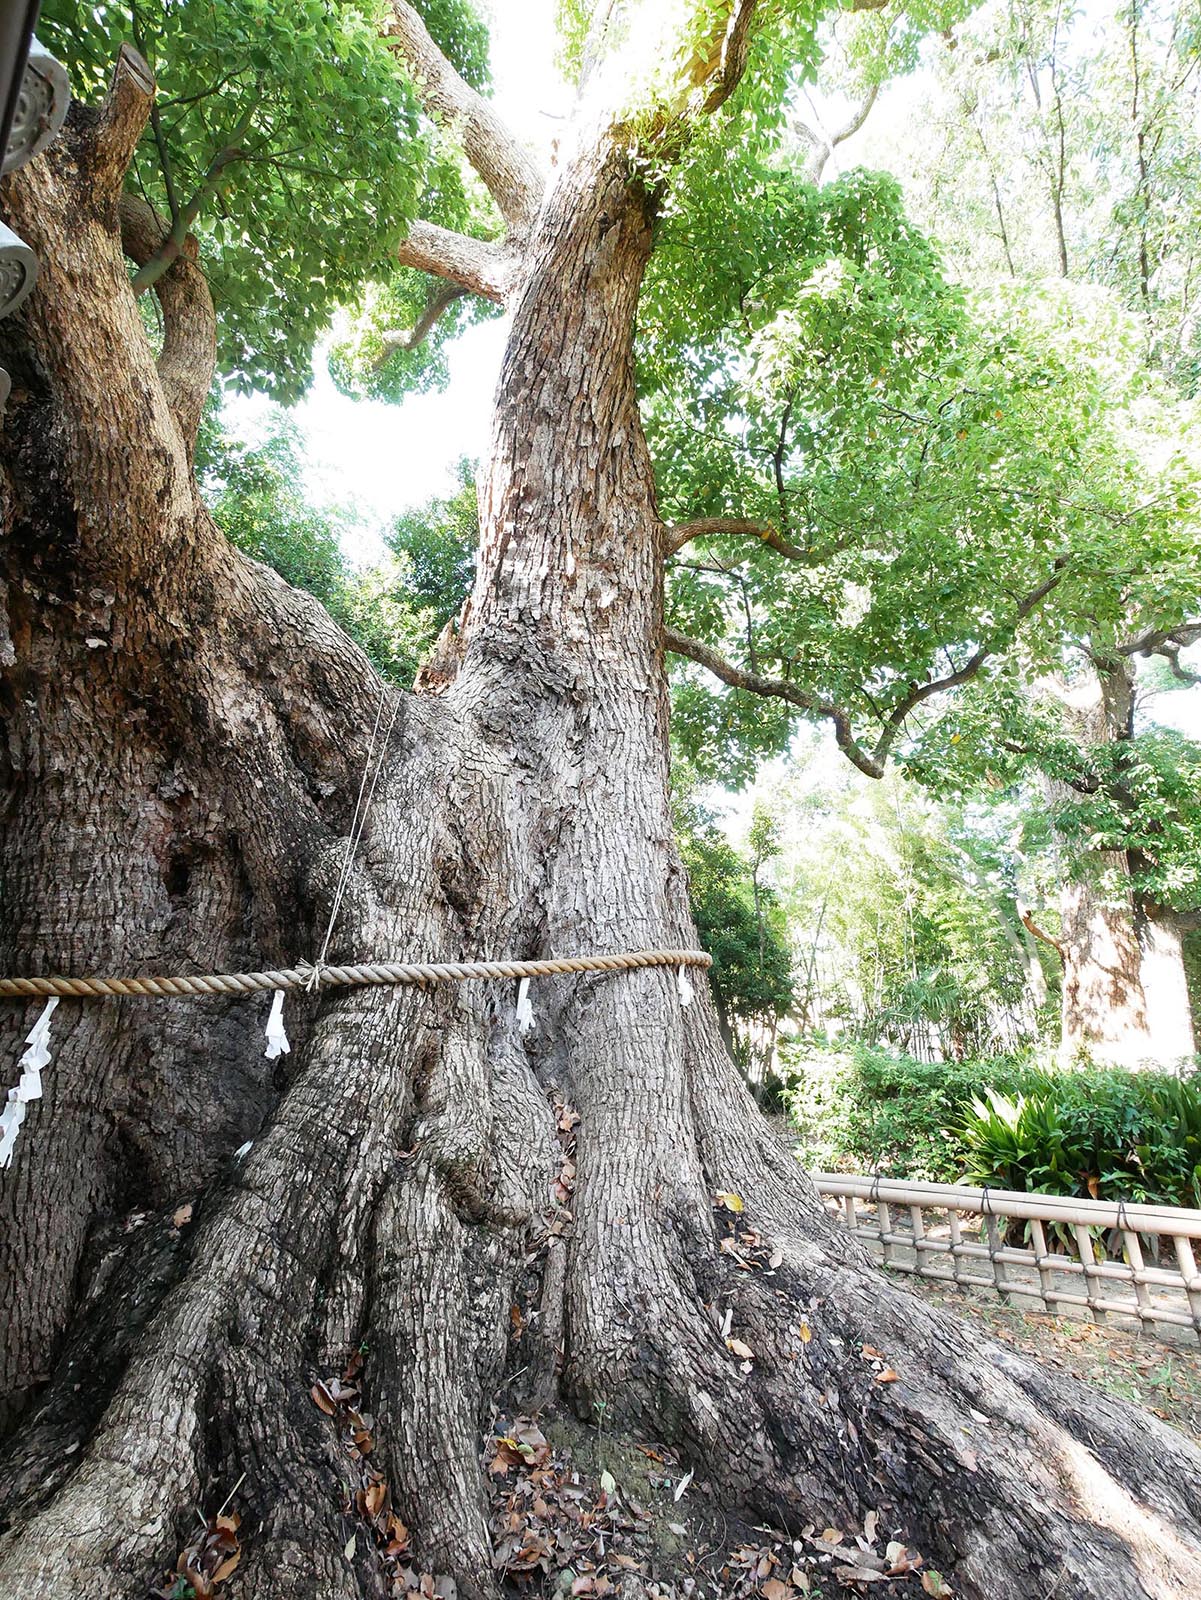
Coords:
277,1039
36,1056
525,1011
684,985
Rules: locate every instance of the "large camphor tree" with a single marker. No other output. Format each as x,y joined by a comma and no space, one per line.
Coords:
185,736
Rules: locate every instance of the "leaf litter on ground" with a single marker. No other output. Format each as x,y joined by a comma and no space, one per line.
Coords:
559,1531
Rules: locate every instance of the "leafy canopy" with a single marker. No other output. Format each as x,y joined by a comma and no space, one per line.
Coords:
933,458
289,141
392,610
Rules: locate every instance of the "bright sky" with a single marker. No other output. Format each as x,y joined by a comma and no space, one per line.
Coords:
385,458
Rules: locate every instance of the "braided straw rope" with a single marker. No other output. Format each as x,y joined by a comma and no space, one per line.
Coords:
375,973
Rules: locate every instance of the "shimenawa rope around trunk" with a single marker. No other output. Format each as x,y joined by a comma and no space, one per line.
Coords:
378,973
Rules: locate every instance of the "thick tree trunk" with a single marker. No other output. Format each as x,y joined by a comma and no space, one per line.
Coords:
180,796
1165,985
1125,998
1104,1007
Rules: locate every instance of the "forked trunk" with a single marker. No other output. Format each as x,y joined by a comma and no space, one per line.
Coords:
181,796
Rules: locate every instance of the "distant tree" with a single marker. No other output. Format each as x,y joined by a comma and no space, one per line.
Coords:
1067,143
1125,832
439,543
1049,140
905,915
392,609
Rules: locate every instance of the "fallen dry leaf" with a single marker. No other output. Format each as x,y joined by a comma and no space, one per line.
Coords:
731,1202
887,1376
742,1351
901,1559
226,1568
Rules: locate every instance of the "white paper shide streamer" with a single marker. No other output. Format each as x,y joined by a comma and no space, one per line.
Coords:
277,1039
525,1011
37,1055
684,985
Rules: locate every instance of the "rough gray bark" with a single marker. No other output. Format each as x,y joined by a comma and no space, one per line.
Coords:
178,797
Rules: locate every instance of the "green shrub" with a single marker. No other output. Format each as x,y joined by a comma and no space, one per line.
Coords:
1108,1135
866,1109
1011,1124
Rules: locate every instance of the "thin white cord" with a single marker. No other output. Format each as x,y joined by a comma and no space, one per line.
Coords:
357,823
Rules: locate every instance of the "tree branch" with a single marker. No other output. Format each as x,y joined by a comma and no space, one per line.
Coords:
510,175
121,119
823,144
442,296
858,117
474,264
871,762
173,244
1182,674
188,357
778,455
920,692
1168,643
1028,922
722,64
679,535
156,124
779,689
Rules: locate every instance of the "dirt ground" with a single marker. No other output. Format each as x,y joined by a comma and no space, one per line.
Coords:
1164,1378
578,1511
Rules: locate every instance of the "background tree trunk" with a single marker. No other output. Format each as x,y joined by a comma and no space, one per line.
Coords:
180,796
1104,1006
1125,998
1165,985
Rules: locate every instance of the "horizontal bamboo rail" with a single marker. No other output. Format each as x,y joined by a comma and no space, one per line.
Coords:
1080,1276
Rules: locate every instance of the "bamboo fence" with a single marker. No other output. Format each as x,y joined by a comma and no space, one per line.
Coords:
1076,1257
